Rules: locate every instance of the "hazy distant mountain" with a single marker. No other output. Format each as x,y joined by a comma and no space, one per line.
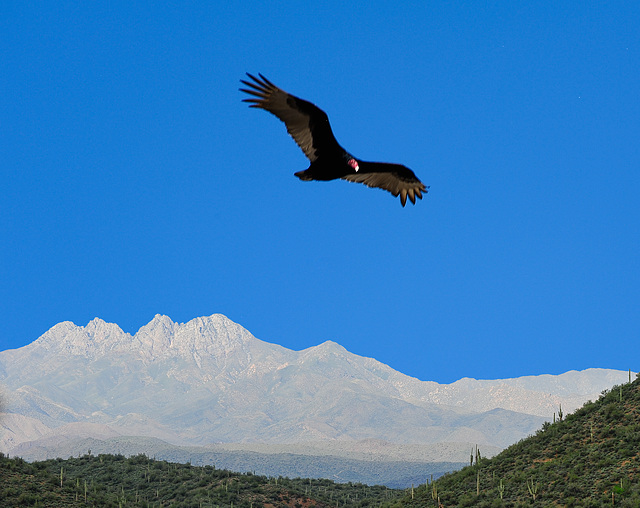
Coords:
210,381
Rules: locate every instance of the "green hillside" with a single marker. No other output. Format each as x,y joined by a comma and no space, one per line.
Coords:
116,481
589,458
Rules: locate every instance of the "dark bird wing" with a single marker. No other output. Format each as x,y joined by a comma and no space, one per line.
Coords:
395,178
307,124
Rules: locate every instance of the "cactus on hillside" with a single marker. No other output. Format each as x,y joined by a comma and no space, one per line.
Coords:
532,487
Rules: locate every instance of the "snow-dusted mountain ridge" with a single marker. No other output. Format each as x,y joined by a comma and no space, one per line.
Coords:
210,380
161,338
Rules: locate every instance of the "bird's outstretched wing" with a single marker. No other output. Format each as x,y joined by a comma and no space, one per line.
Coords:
307,124
395,178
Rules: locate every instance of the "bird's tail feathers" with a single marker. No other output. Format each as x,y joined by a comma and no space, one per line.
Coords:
304,175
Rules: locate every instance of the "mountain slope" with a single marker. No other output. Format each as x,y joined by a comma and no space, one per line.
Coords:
590,458
210,380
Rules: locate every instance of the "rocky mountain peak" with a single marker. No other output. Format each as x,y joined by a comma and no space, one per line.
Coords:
211,380
101,332
215,336
154,339
94,339
330,346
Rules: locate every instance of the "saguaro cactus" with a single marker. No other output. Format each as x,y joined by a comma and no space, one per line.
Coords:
532,487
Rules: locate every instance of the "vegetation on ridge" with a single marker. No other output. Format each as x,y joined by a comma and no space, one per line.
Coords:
589,458
116,481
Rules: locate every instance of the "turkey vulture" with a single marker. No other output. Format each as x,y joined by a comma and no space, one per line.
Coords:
309,126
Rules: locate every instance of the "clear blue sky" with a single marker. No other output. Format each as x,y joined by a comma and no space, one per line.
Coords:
136,182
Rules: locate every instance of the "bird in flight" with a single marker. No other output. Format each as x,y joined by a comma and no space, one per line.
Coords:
309,126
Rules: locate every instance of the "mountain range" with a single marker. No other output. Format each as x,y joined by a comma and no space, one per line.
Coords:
209,382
